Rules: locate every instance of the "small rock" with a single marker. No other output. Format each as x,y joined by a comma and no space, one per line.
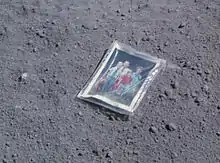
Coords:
79,154
205,89
145,38
199,72
84,26
174,84
30,42
80,113
128,141
95,27
187,64
207,71
168,93
181,25
35,50
7,144
4,161
40,33
105,15
53,22
24,76
198,100
166,44
109,154
135,152
194,94
95,152
153,129
111,118
118,11
218,133
174,155
171,127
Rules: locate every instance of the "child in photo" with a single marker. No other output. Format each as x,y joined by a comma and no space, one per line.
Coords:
124,80
130,89
110,77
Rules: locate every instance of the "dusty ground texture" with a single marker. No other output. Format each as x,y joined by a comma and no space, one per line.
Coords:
58,44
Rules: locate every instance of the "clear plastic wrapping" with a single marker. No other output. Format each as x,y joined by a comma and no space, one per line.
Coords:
122,78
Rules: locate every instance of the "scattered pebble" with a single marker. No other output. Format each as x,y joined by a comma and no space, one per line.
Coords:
205,89
53,22
4,161
194,94
7,144
181,25
135,152
40,33
168,93
153,129
84,26
174,84
207,71
30,42
109,154
95,27
166,44
171,127
174,155
111,118
24,76
199,72
145,38
80,113
198,100
35,50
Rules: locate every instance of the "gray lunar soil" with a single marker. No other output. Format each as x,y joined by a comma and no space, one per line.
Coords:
49,49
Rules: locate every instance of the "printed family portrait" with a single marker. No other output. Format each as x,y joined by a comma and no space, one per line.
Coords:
122,77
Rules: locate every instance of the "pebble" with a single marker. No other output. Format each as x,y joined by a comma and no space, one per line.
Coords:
153,129
166,44
181,25
207,71
218,133
4,161
205,89
35,50
95,27
193,94
109,154
174,155
174,84
168,93
111,118
41,33
145,38
30,42
171,127
85,26
80,113
24,76
198,100
7,144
